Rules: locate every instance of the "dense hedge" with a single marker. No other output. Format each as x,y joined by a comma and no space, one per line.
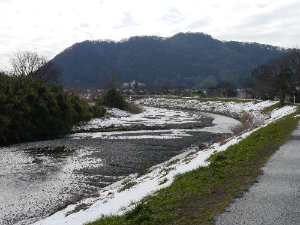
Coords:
30,108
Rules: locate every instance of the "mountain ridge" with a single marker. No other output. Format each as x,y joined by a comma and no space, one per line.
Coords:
188,59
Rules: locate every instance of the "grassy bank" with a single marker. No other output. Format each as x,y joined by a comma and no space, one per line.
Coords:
236,100
198,196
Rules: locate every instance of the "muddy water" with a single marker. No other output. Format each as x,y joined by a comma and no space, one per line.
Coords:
39,178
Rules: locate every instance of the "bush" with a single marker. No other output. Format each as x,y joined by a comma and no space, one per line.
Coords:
30,108
113,99
97,111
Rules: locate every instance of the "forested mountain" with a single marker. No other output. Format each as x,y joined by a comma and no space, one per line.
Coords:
189,59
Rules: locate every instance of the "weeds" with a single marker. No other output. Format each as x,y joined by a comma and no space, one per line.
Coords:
246,118
127,185
165,171
246,123
122,128
163,181
190,154
79,207
196,197
172,162
134,109
270,108
215,99
220,139
145,169
202,146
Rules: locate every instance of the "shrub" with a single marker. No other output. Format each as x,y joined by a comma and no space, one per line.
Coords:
30,108
97,111
113,99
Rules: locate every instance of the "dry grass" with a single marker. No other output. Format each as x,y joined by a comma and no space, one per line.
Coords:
165,171
144,170
220,139
127,185
246,118
79,207
134,109
172,162
246,124
196,197
202,146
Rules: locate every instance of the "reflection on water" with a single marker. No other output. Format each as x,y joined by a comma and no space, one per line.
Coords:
39,178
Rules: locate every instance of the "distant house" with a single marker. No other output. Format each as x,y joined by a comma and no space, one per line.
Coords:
133,88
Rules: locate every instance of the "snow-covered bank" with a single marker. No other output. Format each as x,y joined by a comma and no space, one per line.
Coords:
232,109
115,199
151,116
221,125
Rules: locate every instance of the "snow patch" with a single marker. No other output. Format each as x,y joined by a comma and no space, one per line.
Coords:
151,116
112,201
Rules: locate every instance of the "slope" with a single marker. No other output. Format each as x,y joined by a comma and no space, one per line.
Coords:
188,59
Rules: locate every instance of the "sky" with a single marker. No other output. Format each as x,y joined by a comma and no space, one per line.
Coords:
50,26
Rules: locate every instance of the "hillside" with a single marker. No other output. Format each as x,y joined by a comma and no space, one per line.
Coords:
189,59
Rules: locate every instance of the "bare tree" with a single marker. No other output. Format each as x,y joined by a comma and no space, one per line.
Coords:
112,80
227,89
278,78
292,60
284,85
26,62
34,65
263,82
249,88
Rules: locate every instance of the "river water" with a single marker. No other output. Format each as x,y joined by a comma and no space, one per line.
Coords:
39,178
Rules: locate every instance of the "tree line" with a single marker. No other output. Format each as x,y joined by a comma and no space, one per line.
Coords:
279,78
194,60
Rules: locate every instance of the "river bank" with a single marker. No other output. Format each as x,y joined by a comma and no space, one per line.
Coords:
39,178
119,197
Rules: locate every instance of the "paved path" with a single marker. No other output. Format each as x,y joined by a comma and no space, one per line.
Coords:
275,199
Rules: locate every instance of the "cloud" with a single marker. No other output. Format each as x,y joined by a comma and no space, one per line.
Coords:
127,21
174,16
6,1
63,23
84,25
279,15
275,25
198,24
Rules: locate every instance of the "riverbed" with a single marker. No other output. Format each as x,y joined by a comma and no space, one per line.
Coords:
39,178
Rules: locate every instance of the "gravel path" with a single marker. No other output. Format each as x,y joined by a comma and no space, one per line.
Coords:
275,199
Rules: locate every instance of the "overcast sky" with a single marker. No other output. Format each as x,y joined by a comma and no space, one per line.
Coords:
50,26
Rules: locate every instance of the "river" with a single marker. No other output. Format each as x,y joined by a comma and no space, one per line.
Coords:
39,178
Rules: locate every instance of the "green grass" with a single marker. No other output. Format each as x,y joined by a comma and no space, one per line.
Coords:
271,108
214,99
163,181
196,197
275,106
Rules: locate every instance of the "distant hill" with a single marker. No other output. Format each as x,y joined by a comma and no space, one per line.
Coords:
189,59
